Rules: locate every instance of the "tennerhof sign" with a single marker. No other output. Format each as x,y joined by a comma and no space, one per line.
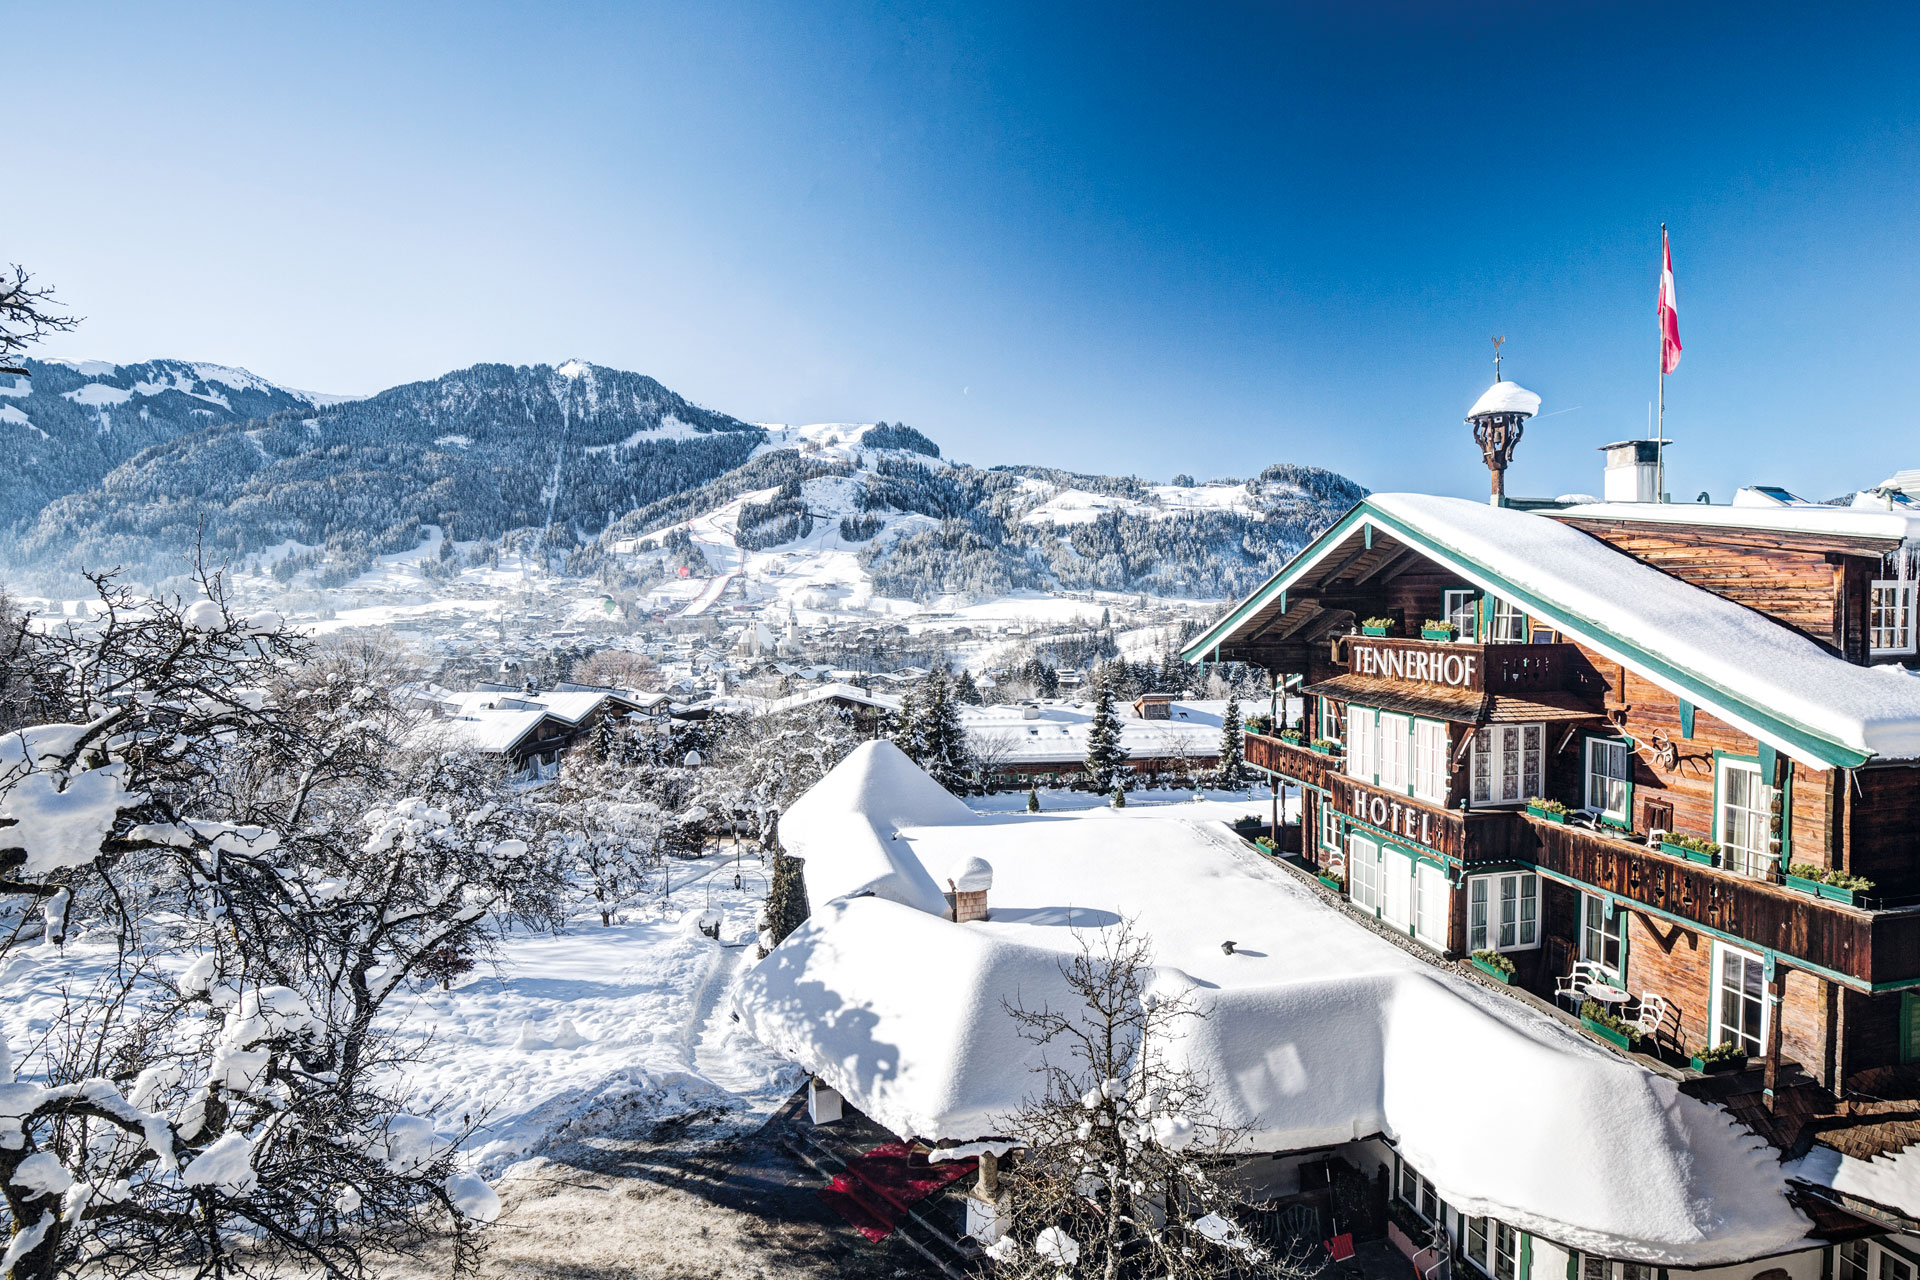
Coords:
1455,668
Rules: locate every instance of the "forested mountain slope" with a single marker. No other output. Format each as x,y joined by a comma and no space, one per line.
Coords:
69,423
477,452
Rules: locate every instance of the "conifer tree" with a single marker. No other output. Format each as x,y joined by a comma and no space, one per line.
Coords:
1106,758
786,908
1119,796
904,727
965,690
1033,797
942,740
1231,774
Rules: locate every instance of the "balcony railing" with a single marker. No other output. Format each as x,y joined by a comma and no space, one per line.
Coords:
1494,668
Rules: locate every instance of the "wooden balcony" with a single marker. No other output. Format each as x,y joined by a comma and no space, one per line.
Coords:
1500,669
1872,946
1290,760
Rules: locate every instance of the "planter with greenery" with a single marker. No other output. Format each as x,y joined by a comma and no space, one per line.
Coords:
1725,1056
1376,626
1290,735
1822,882
1334,883
1266,844
1595,1018
1261,724
1692,848
1494,965
1325,746
1431,630
1551,810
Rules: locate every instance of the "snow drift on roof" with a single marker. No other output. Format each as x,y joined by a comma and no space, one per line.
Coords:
1318,1031
1505,397
1850,521
844,828
1599,592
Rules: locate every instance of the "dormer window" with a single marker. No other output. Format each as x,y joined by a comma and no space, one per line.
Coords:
1462,613
1505,623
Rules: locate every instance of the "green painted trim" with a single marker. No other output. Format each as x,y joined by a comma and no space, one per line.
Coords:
1907,999
1690,686
1369,535
1686,719
1573,1264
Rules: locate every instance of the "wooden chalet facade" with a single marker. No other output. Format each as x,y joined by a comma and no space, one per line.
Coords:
1421,747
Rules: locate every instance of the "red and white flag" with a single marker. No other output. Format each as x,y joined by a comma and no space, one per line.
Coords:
1669,310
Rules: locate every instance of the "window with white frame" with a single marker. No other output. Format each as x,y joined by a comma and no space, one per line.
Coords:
1363,871
1418,1194
1609,778
1503,912
1739,999
1493,1247
1430,905
1394,733
1890,622
1743,825
1462,613
1595,1267
1507,762
1329,720
1430,760
1505,623
1870,1260
1363,743
1599,936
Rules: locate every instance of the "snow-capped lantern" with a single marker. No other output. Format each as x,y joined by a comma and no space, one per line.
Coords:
1497,418
969,881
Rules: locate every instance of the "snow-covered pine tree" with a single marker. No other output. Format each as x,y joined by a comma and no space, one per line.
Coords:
1119,796
786,908
1033,797
904,728
965,691
1106,758
942,738
1231,773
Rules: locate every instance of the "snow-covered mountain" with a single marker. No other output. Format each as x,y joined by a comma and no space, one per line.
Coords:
63,428
477,452
844,516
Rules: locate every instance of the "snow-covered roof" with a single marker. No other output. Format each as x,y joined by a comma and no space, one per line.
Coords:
1059,733
1505,397
1857,522
1316,1031
829,692
481,730
890,791
1741,666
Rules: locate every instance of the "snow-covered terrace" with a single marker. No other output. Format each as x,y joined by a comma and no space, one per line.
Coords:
1317,1031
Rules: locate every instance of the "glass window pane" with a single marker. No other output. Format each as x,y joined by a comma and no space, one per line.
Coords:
1893,1268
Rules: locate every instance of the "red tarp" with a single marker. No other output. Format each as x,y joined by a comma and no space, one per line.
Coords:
879,1187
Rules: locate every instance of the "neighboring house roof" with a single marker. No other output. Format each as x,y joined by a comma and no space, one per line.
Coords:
1891,527
834,692
1755,673
1315,1032
494,732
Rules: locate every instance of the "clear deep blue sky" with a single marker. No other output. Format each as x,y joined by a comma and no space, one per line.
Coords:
1196,237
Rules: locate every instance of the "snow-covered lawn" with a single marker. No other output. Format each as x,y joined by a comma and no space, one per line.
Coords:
570,1034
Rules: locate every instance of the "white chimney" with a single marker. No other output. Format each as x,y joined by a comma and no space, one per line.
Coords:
1632,470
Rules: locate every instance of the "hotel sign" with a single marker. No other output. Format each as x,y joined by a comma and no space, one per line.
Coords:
1398,816
1448,665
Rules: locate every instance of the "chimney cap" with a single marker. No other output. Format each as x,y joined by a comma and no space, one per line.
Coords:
1505,397
971,875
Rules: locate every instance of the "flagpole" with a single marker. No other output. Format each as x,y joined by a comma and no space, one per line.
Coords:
1660,440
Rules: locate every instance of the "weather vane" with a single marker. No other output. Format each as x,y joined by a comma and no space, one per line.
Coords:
1496,356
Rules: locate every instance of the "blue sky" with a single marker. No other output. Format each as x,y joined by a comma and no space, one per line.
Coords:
1147,238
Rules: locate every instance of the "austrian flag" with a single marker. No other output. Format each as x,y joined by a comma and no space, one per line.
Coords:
1669,310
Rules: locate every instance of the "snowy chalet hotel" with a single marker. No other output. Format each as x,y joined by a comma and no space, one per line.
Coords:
1717,705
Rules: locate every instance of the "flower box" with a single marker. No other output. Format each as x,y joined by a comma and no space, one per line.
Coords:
1548,814
1498,975
1333,882
1700,856
1607,1033
1710,1066
1374,631
1835,893
1429,633
1809,887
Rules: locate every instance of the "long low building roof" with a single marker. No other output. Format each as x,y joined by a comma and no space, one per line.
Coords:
1742,666
1316,1030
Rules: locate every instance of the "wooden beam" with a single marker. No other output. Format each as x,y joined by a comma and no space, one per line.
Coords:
1387,568
1333,575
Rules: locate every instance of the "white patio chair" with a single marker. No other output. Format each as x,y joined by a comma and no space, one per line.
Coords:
1584,974
1652,1015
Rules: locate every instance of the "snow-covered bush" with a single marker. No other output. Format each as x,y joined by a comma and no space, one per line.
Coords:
1117,1156
227,829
